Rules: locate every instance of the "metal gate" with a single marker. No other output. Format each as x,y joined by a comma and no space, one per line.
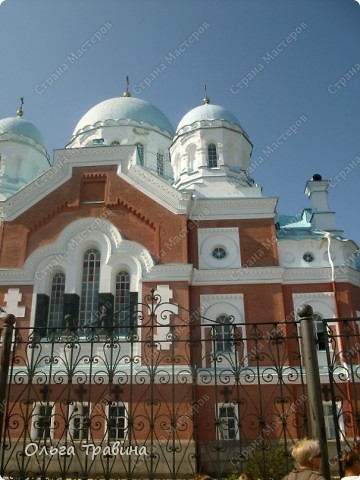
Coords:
169,394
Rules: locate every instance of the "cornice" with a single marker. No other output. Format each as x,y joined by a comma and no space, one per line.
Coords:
314,295
204,231
286,276
23,140
346,274
238,276
321,275
233,208
204,124
218,297
119,123
170,272
11,277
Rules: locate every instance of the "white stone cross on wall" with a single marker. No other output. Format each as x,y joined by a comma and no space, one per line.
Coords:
12,299
163,313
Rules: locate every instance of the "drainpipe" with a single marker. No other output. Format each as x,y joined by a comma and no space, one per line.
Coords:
328,238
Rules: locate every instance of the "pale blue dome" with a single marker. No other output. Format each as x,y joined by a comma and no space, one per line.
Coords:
124,108
23,128
207,112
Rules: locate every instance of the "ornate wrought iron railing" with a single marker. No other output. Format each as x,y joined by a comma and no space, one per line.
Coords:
175,395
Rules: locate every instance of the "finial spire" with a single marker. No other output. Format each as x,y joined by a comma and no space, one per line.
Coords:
206,99
20,112
127,93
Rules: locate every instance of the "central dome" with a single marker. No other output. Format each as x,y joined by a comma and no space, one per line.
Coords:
207,112
125,109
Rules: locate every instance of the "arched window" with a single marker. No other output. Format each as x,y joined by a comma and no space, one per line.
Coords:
140,149
89,302
122,302
223,334
56,304
212,156
160,164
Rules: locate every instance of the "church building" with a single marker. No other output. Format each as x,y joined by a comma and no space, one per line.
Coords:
147,273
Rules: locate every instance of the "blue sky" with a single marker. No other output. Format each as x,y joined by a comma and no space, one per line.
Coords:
312,81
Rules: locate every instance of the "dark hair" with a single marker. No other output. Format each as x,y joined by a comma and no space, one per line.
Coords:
348,459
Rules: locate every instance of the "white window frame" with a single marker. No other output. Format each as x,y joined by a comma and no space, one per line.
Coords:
56,309
223,332
123,405
212,238
211,161
122,308
37,416
329,420
323,304
141,152
89,296
222,430
212,307
160,163
76,411
191,152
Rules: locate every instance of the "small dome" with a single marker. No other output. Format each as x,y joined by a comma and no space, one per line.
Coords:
23,128
207,112
123,108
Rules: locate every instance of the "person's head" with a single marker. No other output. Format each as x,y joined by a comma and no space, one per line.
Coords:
351,463
245,476
201,477
307,453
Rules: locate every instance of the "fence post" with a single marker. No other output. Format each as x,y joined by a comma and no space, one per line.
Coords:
8,328
333,398
313,384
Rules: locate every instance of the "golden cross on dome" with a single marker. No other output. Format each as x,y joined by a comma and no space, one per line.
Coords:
127,93
206,99
20,112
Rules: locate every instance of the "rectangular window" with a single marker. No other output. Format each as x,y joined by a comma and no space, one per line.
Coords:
330,423
227,422
117,423
212,156
140,150
122,303
98,141
224,340
89,304
320,333
43,421
56,306
160,164
79,415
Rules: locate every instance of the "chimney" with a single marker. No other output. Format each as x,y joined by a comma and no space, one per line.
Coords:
322,218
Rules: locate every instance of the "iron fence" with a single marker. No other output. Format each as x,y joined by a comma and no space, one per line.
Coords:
171,395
